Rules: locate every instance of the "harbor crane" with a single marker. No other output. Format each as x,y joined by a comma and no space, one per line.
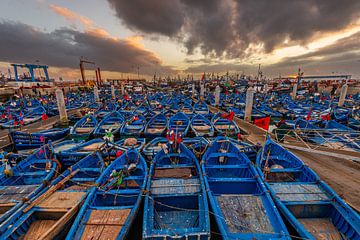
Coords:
82,71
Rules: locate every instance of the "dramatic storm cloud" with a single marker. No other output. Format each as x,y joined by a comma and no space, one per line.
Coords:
63,48
232,28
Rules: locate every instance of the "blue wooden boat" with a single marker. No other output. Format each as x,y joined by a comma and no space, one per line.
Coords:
84,127
153,147
201,126
48,215
129,143
341,114
175,203
114,204
354,124
156,126
179,123
71,156
134,126
242,206
201,108
111,122
65,145
312,208
25,140
187,109
24,181
224,126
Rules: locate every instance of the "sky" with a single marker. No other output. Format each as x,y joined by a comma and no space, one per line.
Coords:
182,37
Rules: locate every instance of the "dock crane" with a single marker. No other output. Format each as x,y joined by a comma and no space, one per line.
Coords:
82,70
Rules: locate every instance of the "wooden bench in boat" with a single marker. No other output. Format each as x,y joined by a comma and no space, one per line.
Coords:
175,186
304,192
105,224
84,130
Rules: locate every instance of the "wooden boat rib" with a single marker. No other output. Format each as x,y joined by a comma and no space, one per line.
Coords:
175,203
110,209
308,204
242,207
47,216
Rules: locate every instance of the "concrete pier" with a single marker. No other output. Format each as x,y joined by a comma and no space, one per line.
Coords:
61,106
96,94
343,95
112,91
294,92
217,95
249,104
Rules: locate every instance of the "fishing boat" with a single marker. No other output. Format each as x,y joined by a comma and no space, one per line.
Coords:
179,123
224,126
65,145
84,127
311,207
187,109
175,202
48,216
24,181
242,206
71,156
153,147
110,209
25,140
134,126
156,126
354,124
110,123
201,108
201,126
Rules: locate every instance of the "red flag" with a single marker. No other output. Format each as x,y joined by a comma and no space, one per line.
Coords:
44,117
179,138
326,117
118,153
308,117
203,77
42,139
168,135
239,136
229,116
22,122
263,122
15,123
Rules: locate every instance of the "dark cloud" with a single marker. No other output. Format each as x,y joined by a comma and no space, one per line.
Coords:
227,28
342,56
63,48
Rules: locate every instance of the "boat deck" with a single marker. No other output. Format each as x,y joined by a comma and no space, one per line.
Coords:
104,224
12,194
321,228
244,214
38,228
